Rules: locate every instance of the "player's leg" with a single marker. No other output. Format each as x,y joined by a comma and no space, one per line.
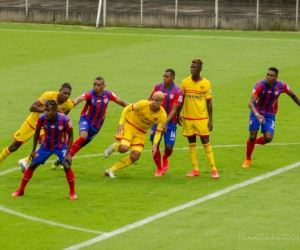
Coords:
189,132
70,176
157,155
268,129
133,139
169,139
8,150
42,156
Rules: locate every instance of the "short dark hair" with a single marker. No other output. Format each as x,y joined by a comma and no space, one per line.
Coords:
51,104
274,69
99,78
170,71
66,86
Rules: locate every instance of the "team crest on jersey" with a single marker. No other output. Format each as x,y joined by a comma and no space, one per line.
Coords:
60,127
171,96
155,119
201,87
105,100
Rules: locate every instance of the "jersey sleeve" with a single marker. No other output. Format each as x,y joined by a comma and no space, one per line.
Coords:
208,92
285,88
68,124
139,105
112,96
257,89
178,98
44,97
154,89
39,123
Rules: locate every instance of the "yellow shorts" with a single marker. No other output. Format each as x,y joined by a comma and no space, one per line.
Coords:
25,132
133,138
195,127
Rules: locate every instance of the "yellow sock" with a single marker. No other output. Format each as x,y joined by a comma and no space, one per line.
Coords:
116,146
193,156
5,152
121,164
209,155
27,158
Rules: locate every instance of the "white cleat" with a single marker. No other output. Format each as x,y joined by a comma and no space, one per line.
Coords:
109,150
109,173
23,165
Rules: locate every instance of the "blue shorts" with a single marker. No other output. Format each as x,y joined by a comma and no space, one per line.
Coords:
169,137
268,126
42,154
85,125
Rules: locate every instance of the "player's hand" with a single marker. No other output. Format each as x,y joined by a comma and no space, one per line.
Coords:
32,154
165,130
261,119
179,120
154,149
120,131
68,159
210,125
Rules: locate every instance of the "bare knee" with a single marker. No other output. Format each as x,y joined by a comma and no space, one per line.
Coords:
123,148
134,155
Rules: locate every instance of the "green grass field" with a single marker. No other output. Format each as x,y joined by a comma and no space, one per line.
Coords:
255,208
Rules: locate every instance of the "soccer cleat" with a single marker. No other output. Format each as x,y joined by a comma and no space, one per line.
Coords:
55,164
165,165
109,173
193,173
23,164
18,193
73,196
159,172
109,150
246,163
214,174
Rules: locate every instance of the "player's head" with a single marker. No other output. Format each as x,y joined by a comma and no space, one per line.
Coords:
50,109
64,92
169,76
99,85
196,67
272,75
157,100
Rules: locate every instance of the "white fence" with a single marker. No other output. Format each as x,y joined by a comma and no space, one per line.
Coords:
195,14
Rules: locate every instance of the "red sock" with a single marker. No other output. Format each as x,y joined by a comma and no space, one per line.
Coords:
26,177
76,146
157,159
250,148
71,180
167,154
260,140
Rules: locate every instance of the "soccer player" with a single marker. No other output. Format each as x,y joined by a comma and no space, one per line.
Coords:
198,116
55,124
93,113
263,107
139,117
27,130
171,104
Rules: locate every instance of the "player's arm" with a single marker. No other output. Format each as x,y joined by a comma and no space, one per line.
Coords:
36,107
36,138
171,115
121,102
125,111
70,142
251,106
159,130
210,114
79,99
294,97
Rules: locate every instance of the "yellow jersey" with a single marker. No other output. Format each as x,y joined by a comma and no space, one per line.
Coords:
143,117
195,96
64,107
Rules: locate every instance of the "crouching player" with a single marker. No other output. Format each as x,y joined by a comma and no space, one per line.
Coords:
55,124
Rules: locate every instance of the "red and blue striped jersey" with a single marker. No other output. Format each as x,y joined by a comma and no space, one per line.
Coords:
95,107
267,102
172,96
54,131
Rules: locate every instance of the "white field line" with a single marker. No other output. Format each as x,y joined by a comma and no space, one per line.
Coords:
6,210
182,207
149,150
154,35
